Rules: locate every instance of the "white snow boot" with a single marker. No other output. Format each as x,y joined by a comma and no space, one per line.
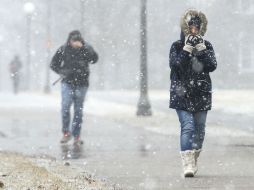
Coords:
188,160
196,155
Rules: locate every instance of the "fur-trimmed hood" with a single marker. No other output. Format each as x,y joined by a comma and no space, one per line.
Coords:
187,17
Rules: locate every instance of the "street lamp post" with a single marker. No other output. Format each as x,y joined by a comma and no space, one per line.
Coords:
82,12
102,15
48,55
144,107
1,73
28,9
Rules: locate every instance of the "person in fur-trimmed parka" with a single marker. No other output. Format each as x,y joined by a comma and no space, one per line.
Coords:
191,59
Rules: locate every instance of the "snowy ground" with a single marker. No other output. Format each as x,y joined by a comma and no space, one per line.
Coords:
23,172
119,145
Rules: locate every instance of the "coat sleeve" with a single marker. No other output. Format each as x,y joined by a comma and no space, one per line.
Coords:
207,57
57,59
177,57
92,55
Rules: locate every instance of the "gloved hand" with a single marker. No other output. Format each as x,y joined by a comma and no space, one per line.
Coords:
189,43
199,43
65,72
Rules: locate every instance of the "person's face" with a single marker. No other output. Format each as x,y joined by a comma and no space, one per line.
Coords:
76,44
194,30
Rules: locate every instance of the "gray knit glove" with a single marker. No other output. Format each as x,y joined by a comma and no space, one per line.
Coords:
189,43
200,43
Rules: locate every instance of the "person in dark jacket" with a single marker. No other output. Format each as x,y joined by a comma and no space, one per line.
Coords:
71,62
15,68
191,59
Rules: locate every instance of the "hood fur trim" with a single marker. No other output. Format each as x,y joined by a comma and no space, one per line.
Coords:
186,18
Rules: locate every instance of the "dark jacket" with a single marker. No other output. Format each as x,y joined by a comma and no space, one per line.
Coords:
191,86
15,66
73,64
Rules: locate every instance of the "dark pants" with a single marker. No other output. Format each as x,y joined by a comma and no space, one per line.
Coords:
76,95
15,79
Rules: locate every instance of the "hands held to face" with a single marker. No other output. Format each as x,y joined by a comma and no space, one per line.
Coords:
194,42
76,44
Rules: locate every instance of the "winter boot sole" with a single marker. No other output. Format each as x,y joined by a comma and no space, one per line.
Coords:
189,175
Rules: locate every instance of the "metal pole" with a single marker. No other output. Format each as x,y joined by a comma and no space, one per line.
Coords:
47,85
101,18
144,107
82,19
28,50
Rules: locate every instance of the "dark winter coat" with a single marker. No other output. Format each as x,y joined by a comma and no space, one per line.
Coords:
73,64
15,66
191,86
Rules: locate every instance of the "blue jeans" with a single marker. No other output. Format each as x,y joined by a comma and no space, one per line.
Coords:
76,95
192,129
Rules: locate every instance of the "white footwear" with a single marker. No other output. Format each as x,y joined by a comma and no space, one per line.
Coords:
188,160
196,155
